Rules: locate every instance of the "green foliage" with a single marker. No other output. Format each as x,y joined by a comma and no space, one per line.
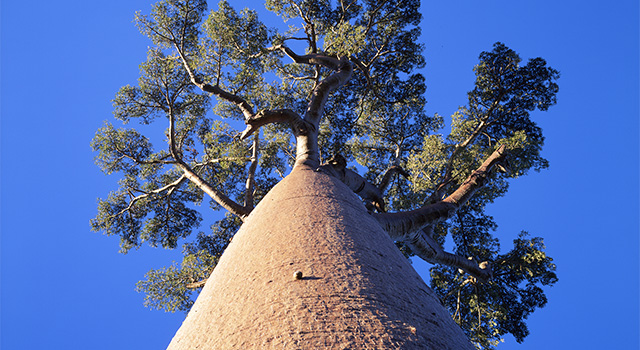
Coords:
229,51
173,22
487,311
167,288
505,94
345,39
141,213
376,120
171,289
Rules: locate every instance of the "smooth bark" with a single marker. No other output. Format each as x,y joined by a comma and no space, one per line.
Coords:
357,291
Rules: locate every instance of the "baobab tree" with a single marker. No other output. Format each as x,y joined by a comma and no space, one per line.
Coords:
335,104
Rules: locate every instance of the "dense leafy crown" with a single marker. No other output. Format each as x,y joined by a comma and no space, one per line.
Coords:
209,73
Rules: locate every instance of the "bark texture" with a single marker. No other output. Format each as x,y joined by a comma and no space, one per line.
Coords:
357,291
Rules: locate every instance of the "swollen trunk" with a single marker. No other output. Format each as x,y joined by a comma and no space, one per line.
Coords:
357,291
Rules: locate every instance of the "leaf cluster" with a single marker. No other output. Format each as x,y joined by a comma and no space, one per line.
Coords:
172,288
488,311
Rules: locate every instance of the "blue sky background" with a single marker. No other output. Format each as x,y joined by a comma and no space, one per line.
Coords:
65,287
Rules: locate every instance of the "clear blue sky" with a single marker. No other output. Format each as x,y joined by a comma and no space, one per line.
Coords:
64,287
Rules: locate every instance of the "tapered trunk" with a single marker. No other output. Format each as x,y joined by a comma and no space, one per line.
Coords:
357,291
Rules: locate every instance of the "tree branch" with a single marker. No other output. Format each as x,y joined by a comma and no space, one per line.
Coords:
330,62
251,178
219,197
401,224
423,244
336,167
477,179
242,104
297,124
307,152
223,159
388,175
136,160
198,284
480,128
169,187
172,135
342,68
365,71
458,148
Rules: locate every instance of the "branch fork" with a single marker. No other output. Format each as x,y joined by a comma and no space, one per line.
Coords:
415,228
264,117
336,167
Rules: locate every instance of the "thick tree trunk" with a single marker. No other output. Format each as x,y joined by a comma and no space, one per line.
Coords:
357,291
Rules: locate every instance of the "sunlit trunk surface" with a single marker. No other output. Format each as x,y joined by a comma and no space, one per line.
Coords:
357,291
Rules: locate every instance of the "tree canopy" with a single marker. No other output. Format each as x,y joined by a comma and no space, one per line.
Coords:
240,104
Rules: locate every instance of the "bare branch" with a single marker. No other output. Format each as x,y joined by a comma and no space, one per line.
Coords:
161,161
198,284
476,179
330,62
309,77
403,223
389,174
134,199
427,248
219,197
300,12
251,178
307,151
223,159
242,104
480,128
298,126
459,147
